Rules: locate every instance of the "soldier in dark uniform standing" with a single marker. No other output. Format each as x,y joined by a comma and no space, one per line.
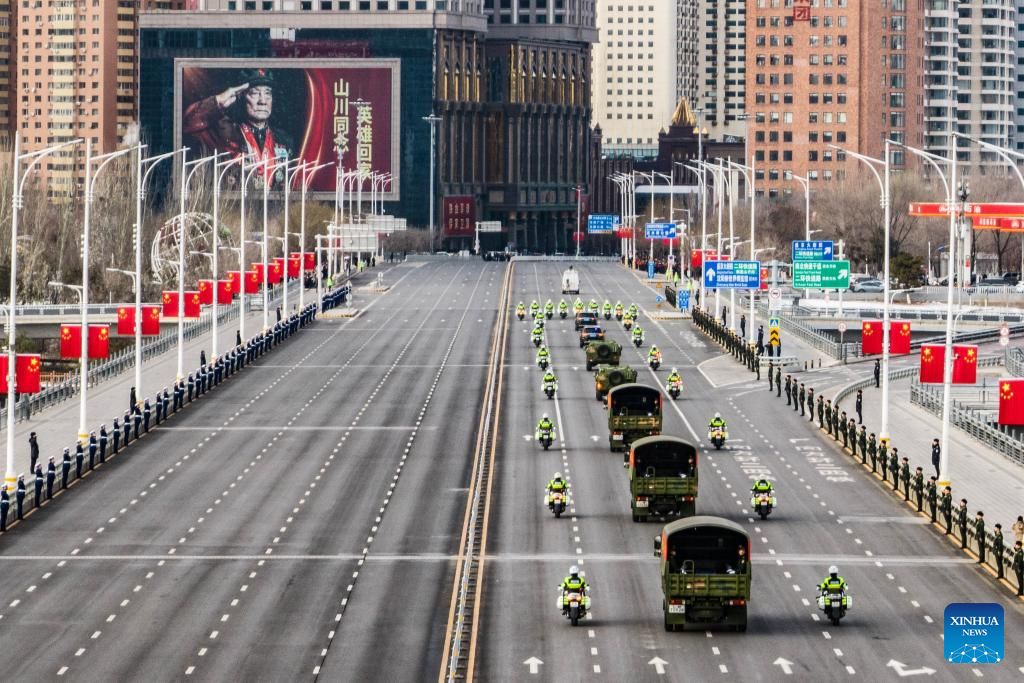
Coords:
894,468
883,459
961,520
919,488
5,506
39,484
33,445
778,381
862,443
810,403
191,386
843,429
932,494
147,412
126,429
821,412
771,377
997,549
1018,566
137,420
946,506
873,451
93,447
979,535
104,437
116,433
802,396
828,416
20,496
789,393
79,459
859,407
905,477
51,476
65,468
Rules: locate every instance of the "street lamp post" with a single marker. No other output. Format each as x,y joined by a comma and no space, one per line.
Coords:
220,169
750,175
18,179
143,167
805,183
873,165
579,207
433,120
702,186
186,178
950,186
308,171
245,175
89,186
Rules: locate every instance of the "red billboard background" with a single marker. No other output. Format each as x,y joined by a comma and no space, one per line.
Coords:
459,217
314,109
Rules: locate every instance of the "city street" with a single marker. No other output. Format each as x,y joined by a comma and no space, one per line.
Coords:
311,511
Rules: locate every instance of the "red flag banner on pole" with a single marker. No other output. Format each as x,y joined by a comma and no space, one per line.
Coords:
276,268
870,337
206,292
252,282
126,320
170,301
309,258
932,361
899,337
258,269
965,364
1011,401
70,341
27,368
225,291
235,278
99,341
192,304
150,321
294,265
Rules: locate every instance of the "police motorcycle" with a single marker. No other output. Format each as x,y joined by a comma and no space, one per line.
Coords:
538,320
618,311
627,322
577,306
675,387
534,308
592,307
834,601
550,387
563,309
520,311
574,604
638,337
654,358
545,437
549,310
763,501
607,310
717,434
537,336
542,362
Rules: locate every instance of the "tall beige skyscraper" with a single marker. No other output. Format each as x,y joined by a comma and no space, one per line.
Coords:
722,66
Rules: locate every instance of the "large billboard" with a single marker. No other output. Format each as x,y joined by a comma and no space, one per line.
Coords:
316,110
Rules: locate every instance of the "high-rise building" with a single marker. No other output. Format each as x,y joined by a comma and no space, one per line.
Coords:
508,84
74,65
722,70
6,81
1019,83
644,61
844,74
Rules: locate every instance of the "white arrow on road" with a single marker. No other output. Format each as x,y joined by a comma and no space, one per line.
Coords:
901,669
785,665
534,664
659,665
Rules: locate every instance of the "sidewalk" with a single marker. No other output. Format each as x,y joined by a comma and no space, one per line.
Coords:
985,477
56,427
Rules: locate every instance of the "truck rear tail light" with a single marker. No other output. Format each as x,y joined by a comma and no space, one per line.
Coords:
738,603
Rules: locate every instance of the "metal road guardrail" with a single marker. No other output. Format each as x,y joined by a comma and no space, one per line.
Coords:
909,313
566,257
73,312
971,420
121,361
816,339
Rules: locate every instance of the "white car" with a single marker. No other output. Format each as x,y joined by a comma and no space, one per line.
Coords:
1019,287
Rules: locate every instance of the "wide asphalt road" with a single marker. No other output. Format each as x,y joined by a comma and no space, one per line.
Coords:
297,523
902,574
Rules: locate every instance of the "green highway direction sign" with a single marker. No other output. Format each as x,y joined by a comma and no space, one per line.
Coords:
821,275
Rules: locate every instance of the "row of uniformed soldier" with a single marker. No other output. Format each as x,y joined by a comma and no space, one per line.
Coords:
140,417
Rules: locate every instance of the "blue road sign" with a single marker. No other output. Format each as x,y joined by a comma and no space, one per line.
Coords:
732,274
660,231
601,223
650,270
813,250
683,299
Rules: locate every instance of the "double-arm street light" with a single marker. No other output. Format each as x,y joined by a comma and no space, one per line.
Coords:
806,184
949,184
18,179
247,171
750,176
91,176
883,179
703,187
188,169
220,170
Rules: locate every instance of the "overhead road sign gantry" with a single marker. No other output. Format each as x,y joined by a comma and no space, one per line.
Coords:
732,274
821,274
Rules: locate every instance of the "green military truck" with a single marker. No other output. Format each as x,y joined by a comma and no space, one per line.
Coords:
603,353
705,573
634,411
608,377
662,478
